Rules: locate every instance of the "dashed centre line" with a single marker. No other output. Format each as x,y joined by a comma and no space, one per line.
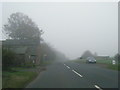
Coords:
68,67
77,73
98,87
73,71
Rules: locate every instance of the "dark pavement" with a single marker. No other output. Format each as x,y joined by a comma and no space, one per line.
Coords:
74,75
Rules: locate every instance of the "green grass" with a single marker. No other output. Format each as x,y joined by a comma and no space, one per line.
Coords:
22,68
98,61
79,60
104,61
17,68
114,67
47,63
0,79
108,63
18,79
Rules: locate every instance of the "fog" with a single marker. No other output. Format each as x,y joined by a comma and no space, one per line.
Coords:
73,28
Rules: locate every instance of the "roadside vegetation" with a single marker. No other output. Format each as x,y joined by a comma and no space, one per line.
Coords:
17,79
105,62
114,67
23,54
45,63
18,76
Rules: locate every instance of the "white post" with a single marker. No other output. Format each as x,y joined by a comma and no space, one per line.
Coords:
113,62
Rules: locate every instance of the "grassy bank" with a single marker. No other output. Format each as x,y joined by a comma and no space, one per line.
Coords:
17,79
45,63
114,67
79,60
0,79
107,63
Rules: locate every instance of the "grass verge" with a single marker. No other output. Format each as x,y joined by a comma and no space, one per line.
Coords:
103,63
0,84
18,79
114,67
45,63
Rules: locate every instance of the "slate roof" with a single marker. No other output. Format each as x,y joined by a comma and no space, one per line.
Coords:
10,42
22,46
19,50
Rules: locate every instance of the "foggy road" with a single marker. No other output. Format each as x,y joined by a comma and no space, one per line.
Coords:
42,37
74,75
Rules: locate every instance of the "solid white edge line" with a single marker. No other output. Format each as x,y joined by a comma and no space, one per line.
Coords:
77,73
96,86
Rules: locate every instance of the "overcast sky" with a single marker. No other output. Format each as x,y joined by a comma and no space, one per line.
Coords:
73,28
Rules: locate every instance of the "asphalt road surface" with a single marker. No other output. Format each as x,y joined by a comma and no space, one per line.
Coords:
74,75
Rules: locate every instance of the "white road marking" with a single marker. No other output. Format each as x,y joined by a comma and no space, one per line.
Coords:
97,87
77,73
65,64
68,67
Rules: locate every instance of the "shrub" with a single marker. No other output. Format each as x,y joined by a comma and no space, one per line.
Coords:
8,58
